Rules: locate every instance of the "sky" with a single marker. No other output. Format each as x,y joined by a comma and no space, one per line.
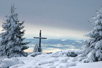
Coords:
56,18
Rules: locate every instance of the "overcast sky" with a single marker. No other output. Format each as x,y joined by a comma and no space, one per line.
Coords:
56,18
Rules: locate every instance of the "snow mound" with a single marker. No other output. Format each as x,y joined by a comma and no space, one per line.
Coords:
55,60
6,63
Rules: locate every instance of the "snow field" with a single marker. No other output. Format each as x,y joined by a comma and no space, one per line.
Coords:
59,60
55,60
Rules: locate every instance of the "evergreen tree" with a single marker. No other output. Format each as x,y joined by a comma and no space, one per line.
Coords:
36,48
11,44
93,49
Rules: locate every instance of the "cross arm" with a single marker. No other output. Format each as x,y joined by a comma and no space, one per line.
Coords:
40,38
43,38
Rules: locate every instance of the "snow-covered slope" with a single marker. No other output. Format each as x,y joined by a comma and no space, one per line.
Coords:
88,65
59,59
54,60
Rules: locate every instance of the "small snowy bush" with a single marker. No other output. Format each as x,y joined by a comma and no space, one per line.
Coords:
36,48
69,53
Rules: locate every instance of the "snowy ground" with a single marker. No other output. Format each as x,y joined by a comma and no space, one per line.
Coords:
88,65
54,60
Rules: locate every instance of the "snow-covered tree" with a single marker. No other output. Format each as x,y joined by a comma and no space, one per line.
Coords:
93,49
12,44
36,48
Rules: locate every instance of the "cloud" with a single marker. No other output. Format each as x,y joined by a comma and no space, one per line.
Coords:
51,50
63,19
49,32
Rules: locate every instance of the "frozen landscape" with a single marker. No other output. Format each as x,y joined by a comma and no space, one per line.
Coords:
60,59
52,45
64,46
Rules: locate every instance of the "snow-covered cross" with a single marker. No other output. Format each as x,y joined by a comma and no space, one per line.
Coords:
39,49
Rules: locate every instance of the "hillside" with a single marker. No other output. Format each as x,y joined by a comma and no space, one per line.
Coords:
60,59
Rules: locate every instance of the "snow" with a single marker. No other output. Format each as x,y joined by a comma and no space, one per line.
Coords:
58,59
12,42
54,60
93,50
5,63
98,44
88,65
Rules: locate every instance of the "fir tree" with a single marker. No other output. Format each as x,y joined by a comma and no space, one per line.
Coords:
11,44
36,48
93,49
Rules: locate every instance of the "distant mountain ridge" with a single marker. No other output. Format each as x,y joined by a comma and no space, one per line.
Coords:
57,43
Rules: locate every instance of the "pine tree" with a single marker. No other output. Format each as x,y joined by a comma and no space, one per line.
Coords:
11,44
36,48
93,49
